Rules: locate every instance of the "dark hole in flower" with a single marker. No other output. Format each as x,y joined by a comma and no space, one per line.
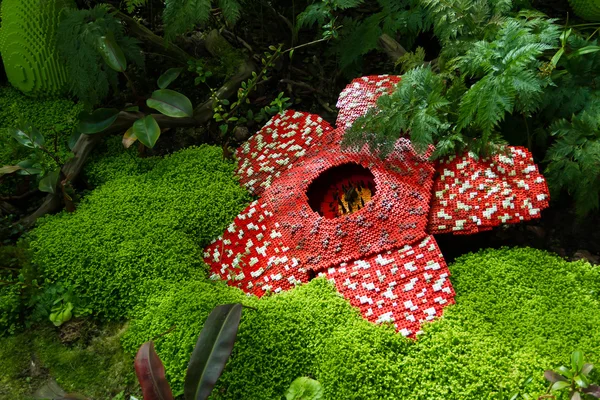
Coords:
341,190
311,274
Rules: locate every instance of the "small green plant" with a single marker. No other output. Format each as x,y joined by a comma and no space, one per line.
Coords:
89,42
51,178
231,114
574,380
207,362
304,388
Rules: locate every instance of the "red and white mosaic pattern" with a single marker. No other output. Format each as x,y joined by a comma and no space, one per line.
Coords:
285,138
381,257
404,287
472,195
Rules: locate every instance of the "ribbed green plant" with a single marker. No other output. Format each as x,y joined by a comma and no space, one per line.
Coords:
28,45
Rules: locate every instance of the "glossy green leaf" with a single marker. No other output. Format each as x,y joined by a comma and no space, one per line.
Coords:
48,182
97,121
29,167
587,368
169,76
560,385
565,371
170,103
575,396
577,361
73,140
9,169
581,381
212,351
112,53
304,388
28,137
147,131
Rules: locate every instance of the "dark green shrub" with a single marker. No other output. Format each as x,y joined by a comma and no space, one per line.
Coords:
56,119
133,233
518,312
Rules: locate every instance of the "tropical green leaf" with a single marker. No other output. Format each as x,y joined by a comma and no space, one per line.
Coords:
171,103
169,76
212,351
28,137
147,131
112,53
560,385
577,361
49,181
98,120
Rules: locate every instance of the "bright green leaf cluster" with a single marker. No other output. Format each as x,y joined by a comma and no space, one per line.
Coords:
517,313
135,232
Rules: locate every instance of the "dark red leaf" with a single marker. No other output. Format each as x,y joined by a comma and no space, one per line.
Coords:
151,374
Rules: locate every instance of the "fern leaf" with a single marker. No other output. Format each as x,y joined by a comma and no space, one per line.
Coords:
181,16
232,10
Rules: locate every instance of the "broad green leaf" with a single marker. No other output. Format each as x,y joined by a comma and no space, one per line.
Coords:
48,182
129,138
169,76
577,361
28,137
581,381
73,139
212,351
29,167
560,385
9,169
304,389
575,396
147,131
565,371
97,121
587,368
171,103
133,109
112,53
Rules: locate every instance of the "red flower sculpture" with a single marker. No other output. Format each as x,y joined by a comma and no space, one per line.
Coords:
364,223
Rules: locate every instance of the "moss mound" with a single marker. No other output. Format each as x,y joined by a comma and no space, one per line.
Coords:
518,312
134,233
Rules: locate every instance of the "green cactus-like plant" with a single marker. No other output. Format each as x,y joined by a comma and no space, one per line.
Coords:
28,45
586,9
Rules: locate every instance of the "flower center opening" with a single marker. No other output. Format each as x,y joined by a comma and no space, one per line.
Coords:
341,190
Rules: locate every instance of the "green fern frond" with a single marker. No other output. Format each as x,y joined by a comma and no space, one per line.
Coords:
344,4
232,10
314,13
77,37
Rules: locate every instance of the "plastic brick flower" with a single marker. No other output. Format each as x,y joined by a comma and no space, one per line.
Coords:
364,223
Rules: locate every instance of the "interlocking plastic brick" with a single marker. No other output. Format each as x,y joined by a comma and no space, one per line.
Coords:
362,222
28,45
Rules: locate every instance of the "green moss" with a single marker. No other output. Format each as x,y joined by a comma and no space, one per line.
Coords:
97,370
111,161
518,312
133,234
